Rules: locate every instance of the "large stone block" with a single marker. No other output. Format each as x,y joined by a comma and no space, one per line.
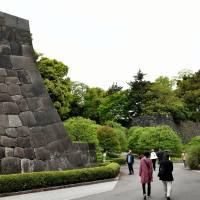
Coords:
27,50
14,89
29,153
4,121
12,80
38,165
24,77
42,153
23,106
11,132
14,121
40,103
23,142
2,152
10,108
10,165
9,152
3,72
46,117
37,138
11,73
23,131
22,62
27,118
49,134
26,165
2,131
19,152
8,142
3,88
5,98
5,62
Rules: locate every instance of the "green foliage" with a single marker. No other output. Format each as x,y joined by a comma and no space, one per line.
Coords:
58,86
92,99
188,88
114,107
82,130
120,161
161,99
113,89
136,95
120,132
108,139
142,139
195,141
193,157
27,181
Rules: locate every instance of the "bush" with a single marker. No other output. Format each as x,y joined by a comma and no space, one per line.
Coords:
194,141
27,181
121,133
82,130
161,137
120,161
193,157
108,140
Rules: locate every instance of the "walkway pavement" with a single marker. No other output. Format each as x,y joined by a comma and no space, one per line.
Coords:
185,187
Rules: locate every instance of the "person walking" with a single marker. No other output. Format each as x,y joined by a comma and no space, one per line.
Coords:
165,175
130,162
183,157
153,158
146,174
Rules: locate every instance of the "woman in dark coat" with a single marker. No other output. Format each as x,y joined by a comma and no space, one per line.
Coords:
165,175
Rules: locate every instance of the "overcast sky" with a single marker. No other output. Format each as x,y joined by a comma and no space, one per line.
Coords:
106,41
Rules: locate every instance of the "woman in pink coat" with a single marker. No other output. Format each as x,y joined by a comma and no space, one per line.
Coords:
146,174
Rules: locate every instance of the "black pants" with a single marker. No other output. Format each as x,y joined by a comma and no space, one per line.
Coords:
130,167
154,164
148,188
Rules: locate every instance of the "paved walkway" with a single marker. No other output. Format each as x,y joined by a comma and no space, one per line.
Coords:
185,187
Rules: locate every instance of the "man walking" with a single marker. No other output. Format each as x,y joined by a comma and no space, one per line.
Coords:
130,162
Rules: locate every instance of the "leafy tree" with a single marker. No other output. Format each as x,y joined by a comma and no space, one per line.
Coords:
146,138
82,130
136,94
54,74
114,107
121,133
113,89
77,104
188,88
92,99
161,99
108,140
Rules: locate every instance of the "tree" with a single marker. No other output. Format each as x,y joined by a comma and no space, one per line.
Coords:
161,99
92,99
54,74
78,93
82,130
114,108
136,94
108,140
188,88
113,89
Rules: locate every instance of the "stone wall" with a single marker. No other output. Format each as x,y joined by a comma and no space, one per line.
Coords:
185,129
32,135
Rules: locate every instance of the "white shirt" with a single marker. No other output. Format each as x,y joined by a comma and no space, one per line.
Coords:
153,155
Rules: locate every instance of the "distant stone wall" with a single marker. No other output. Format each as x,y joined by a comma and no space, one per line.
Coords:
185,129
32,135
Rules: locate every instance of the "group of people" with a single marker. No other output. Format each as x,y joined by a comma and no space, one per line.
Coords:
147,165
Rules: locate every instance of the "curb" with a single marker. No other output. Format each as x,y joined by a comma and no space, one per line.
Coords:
59,187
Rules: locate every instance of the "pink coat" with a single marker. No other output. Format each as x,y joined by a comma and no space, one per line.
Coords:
145,171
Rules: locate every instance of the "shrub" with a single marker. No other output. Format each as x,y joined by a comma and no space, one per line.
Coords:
121,133
82,130
108,140
193,157
146,138
19,182
194,141
120,161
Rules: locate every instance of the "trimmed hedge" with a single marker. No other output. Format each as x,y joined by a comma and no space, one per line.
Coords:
27,181
120,161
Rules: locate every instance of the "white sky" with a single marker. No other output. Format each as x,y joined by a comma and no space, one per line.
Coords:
106,41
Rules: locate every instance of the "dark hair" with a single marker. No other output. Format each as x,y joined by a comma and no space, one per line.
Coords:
146,154
166,156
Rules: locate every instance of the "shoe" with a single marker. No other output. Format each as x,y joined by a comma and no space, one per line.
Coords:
148,197
145,197
168,198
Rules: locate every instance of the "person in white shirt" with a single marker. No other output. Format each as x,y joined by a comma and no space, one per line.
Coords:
153,158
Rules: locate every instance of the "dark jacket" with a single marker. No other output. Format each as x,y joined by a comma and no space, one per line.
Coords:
165,170
132,158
